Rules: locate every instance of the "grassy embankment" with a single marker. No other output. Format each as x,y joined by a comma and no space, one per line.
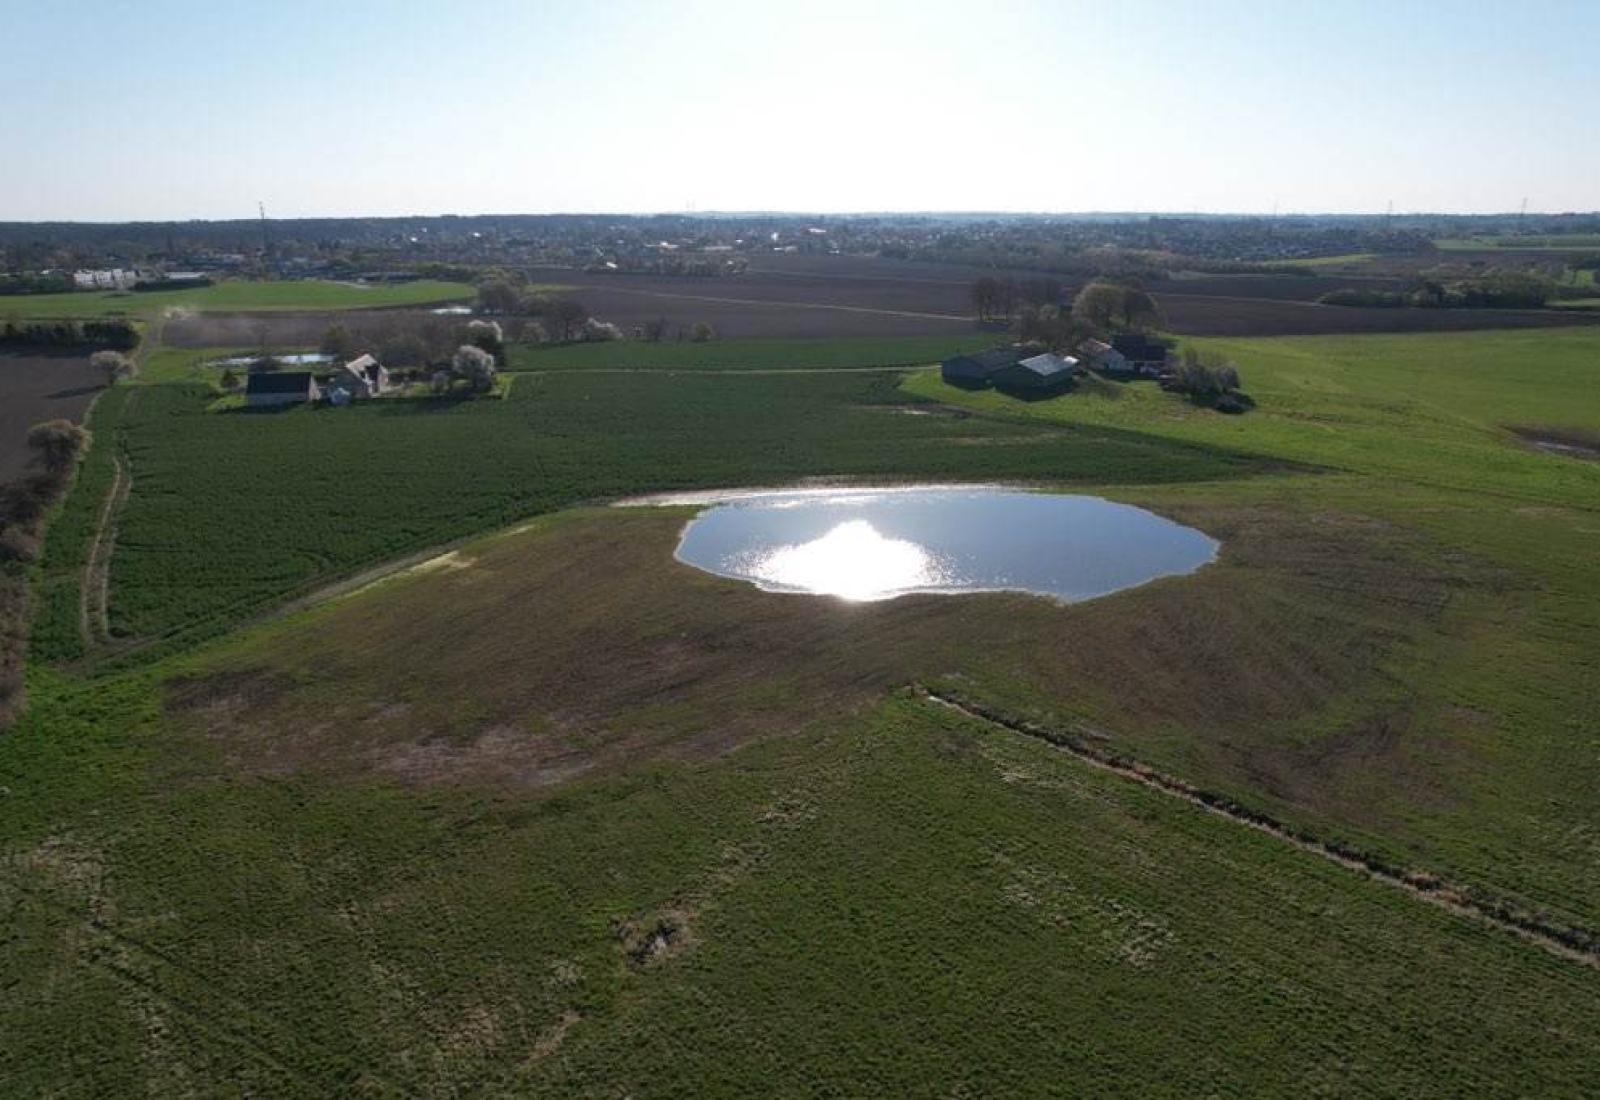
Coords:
234,294
424,838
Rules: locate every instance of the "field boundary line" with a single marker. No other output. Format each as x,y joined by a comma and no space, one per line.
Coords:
1573,944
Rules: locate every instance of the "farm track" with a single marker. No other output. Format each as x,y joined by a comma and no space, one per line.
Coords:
1577,945
94,591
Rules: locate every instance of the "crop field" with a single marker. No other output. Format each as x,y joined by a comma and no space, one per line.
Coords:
844,353
234,294
35,388
1201,315
551,813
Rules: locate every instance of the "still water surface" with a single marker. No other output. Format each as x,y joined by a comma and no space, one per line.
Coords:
875,544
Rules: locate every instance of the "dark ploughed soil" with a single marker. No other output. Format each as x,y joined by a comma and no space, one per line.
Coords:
35,388
820,296
1217,316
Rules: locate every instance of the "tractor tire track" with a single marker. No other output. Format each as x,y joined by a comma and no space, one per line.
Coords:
1571,943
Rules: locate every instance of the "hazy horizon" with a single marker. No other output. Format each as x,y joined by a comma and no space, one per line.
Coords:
183,111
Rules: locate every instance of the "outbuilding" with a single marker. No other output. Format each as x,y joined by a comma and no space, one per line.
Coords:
1037,373
980,367
266,388
1144,353
1102,356
363,376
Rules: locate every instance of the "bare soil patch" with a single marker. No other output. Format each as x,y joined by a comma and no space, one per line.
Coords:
284,330
35,388
583,646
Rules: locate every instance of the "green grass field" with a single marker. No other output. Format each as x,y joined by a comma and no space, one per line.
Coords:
234,294
1565,242
555,815
1348,259
819,354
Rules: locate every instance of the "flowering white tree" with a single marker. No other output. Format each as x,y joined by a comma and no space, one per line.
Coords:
475,365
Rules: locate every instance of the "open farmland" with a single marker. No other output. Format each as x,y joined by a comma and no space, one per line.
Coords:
35,388
841,353
814,296
234,294
270,494
551,812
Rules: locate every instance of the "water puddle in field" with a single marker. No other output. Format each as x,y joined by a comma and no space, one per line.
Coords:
297,360
875,544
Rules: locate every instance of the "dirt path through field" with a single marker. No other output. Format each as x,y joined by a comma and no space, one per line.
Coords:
1574,945
94,589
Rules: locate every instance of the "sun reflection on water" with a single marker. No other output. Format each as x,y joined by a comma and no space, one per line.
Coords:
853,561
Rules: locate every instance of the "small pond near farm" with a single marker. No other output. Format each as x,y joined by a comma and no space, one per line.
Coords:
875,544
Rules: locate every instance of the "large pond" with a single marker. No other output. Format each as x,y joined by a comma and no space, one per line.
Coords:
876,544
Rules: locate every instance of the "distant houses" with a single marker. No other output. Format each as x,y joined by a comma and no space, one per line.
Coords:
264,389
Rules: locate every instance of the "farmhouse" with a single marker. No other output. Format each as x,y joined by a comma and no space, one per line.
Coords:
361,377
266,388
1102,356
979,368
1037,373
1144,353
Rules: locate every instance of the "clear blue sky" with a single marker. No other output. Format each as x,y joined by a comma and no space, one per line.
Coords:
166,109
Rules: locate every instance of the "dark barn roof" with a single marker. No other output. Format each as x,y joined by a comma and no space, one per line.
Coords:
980,364
295,381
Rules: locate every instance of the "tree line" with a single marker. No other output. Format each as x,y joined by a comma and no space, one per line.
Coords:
114,333
56,446
1503,291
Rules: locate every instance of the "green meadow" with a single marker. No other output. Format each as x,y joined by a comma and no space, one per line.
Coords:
234,295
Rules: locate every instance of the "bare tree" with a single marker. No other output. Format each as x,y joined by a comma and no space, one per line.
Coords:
112,364
564,317
1105,305
498,296
337,344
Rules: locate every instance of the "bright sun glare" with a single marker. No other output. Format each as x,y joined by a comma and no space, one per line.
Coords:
853,561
